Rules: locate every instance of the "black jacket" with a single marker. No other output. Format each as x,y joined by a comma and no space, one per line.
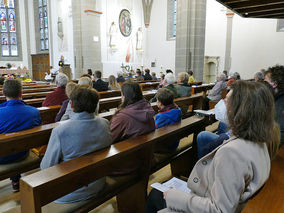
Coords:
147,77
279,105
100,85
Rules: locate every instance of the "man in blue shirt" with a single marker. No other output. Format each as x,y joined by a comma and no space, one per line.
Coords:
16,116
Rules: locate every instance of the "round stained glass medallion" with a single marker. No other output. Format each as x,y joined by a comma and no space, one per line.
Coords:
125,23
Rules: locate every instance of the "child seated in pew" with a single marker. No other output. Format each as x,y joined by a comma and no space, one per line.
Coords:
169,113
16,116
81,134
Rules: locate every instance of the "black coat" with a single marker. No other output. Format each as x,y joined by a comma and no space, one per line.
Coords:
100,85
279,105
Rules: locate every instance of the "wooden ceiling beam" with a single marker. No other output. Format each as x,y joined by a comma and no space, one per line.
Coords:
253,3
265,13
261,8
273,15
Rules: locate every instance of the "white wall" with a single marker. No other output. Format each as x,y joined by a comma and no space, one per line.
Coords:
61,8
215,31
256,45
255,42
112,59
158,49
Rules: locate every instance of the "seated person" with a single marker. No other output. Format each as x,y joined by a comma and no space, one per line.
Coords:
139,76
90,72
69,88
277,82
134,117
224,179
162,81
82,134
154,78
112,84
59,95
258,76
191,78
68,110
236,76
216,93
2,79
120,78
147,75
169,113
182,87
16,116
169,84
99,84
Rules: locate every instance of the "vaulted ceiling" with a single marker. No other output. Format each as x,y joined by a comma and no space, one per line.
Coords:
256,8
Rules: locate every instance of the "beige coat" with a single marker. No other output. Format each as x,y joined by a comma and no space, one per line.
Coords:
224,179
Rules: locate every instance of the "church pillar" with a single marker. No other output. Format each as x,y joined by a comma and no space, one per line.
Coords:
86,37
228,59
190,37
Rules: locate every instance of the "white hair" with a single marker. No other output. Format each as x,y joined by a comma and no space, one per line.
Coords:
259,76
85,81
61,79
222,76
170,78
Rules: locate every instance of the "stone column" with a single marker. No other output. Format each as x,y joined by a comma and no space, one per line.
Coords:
86,38
228,59
190,37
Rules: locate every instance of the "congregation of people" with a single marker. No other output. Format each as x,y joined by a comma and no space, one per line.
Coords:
233,164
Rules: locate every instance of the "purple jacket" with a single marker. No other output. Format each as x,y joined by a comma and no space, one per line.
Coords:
136,119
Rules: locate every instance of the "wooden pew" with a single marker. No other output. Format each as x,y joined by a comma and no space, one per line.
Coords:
49,113
202,88
28,96
110,93
270,198
149,86
41,188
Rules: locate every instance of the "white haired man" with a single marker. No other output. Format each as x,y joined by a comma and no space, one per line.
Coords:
258,76
216,93
59,95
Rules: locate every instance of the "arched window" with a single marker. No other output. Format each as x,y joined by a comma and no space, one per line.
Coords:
9,39
43,24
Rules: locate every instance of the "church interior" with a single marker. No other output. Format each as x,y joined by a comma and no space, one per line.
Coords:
102,102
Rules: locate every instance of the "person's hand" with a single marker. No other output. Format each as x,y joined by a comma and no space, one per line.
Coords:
165,194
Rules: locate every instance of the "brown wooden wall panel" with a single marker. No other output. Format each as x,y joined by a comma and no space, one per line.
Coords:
40,65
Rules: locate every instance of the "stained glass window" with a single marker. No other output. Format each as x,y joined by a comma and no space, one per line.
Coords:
9,41
175,19
43,24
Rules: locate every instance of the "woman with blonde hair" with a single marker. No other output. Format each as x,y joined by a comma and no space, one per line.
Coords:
112,83
224,179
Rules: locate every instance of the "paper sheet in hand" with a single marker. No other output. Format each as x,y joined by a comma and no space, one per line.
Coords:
173,183
205,112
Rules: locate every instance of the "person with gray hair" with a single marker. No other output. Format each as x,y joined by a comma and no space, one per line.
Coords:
216,93
258,76
120,77
84,81
59,95
169,84
183,88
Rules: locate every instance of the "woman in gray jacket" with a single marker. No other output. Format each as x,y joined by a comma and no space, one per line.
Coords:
226,178
81,134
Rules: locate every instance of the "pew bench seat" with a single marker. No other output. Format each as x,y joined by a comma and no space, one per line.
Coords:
12,169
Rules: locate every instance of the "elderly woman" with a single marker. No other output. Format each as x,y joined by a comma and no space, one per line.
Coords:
169,84
183,88
65,110
226,178
216,93
258,76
